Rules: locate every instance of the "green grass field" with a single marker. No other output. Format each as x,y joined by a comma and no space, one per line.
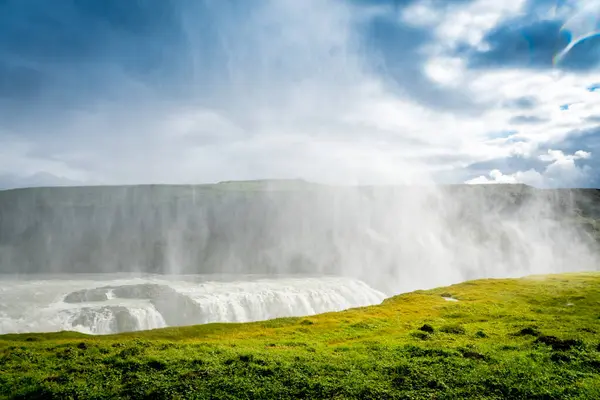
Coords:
531,338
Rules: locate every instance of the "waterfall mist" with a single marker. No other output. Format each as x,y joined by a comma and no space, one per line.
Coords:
213,91
396,238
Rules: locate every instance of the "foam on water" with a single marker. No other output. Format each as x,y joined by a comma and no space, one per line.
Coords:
109,304
266,299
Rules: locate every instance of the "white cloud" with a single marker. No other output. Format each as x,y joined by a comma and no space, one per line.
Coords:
562,171
448,71
469,22
580,154
529,177
559,156
422,14
460,23
551,89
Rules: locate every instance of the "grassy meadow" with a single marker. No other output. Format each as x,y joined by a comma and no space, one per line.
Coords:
530,338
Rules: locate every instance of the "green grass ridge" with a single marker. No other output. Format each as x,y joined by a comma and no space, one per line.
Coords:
528,338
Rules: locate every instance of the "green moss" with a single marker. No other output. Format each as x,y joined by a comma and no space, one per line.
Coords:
509,338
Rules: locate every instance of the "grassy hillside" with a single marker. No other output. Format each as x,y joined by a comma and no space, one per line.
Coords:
534,338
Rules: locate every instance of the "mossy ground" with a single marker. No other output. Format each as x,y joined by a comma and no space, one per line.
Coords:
531,338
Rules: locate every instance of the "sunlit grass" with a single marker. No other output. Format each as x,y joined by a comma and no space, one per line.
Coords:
536,337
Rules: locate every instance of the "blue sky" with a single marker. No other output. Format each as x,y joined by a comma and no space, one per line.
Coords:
345,91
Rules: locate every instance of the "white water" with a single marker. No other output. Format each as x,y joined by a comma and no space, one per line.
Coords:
102,304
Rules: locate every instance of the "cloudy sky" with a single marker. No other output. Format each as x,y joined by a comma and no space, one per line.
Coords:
344,91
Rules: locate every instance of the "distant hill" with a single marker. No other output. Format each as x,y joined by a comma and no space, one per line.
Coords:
40,179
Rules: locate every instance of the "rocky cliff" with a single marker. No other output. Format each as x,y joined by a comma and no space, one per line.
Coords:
292,227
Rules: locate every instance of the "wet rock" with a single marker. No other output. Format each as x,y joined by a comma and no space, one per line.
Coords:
175,308
87,295
120,319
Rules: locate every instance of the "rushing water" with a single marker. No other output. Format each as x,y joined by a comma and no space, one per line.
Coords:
284,251
110,303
